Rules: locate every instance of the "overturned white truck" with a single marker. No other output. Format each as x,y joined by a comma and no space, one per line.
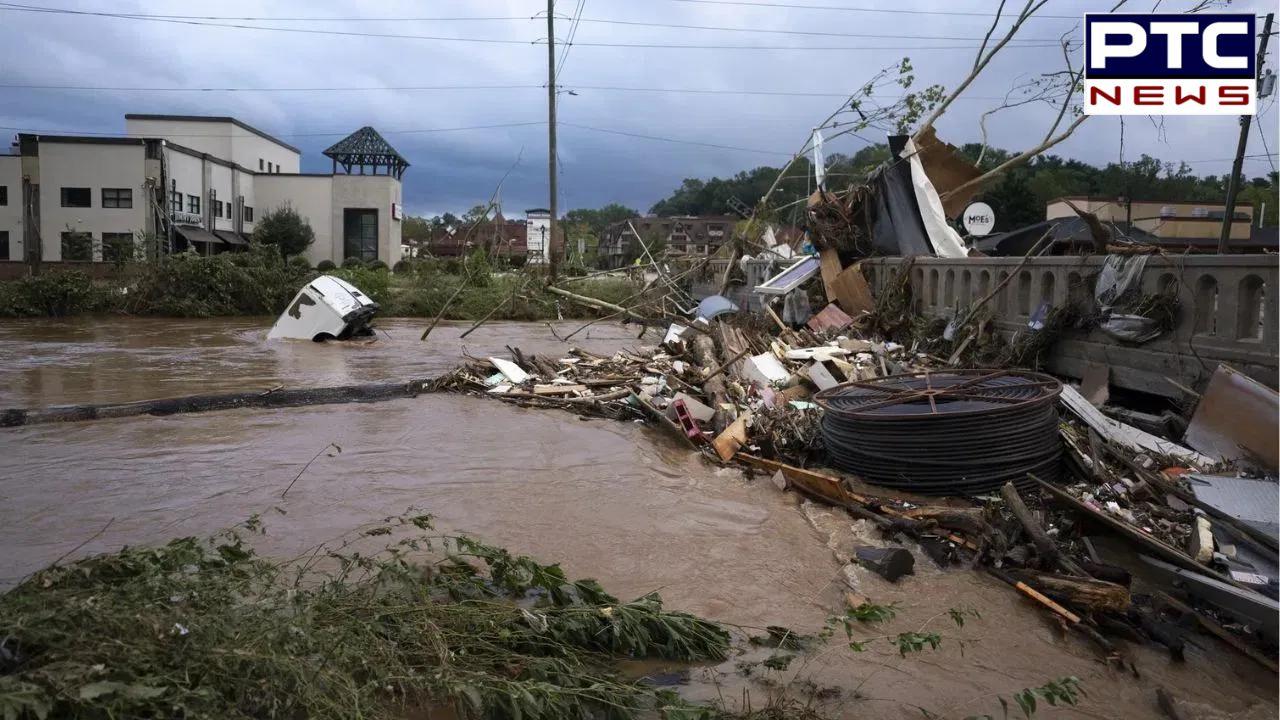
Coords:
326,308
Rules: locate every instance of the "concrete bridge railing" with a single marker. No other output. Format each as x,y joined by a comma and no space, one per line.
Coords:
1227,303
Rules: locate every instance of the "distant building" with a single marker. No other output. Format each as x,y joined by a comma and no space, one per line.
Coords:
192,182
682,235
1173,222
498,236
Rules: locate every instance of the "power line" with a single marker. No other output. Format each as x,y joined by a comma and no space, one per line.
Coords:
499,41
674,140
90,133
573,33
361,88
425,88
237,26
811,33
846,8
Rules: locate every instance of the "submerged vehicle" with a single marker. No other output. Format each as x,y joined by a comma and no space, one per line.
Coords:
327,308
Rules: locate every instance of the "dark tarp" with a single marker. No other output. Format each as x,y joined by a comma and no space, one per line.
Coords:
898,229
231,238
1068,233
193,234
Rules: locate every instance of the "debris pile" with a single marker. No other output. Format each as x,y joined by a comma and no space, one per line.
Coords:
1050,493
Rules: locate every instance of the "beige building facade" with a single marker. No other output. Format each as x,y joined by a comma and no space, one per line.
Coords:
196,183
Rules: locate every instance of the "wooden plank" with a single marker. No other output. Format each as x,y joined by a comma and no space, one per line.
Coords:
852,292
733,437
557,389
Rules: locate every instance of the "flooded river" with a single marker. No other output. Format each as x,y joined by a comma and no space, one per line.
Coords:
610,500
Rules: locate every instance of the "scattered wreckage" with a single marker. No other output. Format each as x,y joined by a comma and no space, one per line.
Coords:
326,308
1120,531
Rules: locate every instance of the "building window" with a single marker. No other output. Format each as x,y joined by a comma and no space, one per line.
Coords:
270,167
77,246
117,197
4,194
193,204
248,214
117,247
175,201
76,197
360,233
259,164
228,211
4,243
217,208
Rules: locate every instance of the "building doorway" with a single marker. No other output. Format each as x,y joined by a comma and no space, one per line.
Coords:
360,233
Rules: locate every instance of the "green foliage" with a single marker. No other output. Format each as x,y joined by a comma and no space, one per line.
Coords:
255,282
285,229
378,265
325,266
371,281
871,613
352,262
402,266
300,262
1063,691
206,628
914,642
54,294
595,221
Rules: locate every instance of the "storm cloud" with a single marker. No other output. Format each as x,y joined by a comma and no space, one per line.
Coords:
504,85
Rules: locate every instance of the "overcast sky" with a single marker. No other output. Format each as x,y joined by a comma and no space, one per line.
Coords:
457,169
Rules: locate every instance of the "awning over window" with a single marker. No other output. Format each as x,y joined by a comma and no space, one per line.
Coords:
231,238
193,234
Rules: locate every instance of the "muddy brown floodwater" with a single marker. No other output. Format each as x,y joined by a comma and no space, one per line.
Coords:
614,501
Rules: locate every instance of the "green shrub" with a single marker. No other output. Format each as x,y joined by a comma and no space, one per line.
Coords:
300,262
285,229
54,294
257,282
374,283
378,265
352,262
402,267
325,266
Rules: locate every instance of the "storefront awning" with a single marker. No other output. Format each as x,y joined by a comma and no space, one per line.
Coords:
231,238
193,234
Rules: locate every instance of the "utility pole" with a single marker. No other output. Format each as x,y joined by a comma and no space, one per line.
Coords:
550,246
1233,183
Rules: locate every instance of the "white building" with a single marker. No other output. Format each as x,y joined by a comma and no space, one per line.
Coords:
538,236
193,182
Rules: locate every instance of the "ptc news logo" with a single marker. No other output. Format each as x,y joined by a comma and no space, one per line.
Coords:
1169,64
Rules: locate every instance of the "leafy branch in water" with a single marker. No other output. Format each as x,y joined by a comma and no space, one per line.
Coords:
1064,691
207,628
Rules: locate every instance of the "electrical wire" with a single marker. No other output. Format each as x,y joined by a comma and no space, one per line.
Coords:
846,8
88,133
673,140
200,23
500,41
569,38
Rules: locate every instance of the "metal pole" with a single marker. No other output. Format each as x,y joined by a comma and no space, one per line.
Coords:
1233,183
551,132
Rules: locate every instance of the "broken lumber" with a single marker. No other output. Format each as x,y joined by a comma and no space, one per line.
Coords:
596,303
1077,592
1045,545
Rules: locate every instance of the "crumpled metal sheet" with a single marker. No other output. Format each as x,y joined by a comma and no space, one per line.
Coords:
1248,500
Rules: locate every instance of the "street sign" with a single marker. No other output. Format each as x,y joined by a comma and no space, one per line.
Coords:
978,219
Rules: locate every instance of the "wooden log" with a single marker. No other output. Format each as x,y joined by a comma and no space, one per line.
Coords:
1045,545
703,349
1078,592
966,520
275,398
595,302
